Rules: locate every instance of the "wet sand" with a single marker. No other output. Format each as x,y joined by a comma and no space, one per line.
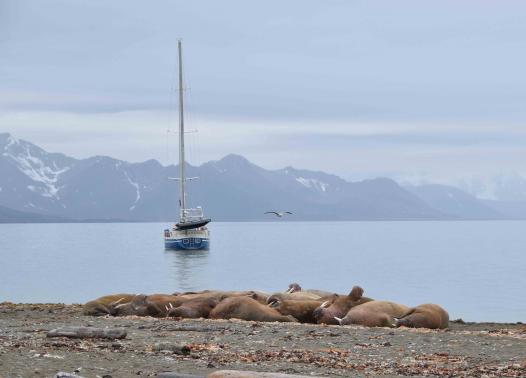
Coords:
474,349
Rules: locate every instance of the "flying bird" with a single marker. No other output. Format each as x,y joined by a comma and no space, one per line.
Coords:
279,214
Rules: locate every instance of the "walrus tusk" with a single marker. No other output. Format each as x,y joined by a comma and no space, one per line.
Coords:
171,305
338,319
324,304
289,290
273,303
117,302
115,305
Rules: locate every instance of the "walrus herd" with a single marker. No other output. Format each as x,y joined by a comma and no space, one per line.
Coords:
293,305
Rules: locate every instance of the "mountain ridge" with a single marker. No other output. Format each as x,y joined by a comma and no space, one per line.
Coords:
231,188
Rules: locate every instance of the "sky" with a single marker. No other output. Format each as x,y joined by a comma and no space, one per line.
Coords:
414,90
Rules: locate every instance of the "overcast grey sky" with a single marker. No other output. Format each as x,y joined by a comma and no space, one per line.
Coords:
433,89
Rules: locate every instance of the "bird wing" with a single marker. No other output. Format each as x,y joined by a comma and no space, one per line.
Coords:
288,212
271,212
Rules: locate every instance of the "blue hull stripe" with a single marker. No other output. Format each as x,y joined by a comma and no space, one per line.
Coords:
187,243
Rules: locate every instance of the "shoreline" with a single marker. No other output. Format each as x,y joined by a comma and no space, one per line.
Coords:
457,321
468,349
104,221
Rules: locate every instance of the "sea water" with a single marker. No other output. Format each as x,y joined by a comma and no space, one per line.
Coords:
475,269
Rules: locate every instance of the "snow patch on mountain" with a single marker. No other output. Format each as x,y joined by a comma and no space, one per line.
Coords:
313,183
137,190
33,167
10,141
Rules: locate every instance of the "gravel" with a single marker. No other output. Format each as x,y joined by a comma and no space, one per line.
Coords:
153,346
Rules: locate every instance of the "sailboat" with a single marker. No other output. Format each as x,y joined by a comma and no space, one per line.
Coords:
190,232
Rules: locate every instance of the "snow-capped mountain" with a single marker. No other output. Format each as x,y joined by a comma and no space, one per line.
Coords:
31,177
51,183
231,188
100,187
42,168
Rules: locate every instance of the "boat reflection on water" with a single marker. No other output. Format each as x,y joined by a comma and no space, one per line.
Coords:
188,269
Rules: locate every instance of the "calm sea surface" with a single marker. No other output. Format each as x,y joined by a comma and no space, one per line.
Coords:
476,270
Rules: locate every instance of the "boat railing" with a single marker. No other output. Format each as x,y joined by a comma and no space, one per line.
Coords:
192,214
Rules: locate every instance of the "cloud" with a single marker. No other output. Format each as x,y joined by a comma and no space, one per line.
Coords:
350,61
352,150
360,89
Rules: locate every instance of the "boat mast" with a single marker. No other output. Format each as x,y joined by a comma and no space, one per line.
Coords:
182,195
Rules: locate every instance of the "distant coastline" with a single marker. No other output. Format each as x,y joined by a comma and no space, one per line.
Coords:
43,219
11,216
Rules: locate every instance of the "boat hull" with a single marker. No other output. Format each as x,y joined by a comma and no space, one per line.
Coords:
186,239
187,244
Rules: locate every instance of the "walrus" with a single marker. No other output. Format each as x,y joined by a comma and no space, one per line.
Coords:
156,305
295,287
374,314
139,306
194,308
298,296
259,296
247,308
166,302
301,310
339,305
424,316
218,294
162,302
100,306
295,293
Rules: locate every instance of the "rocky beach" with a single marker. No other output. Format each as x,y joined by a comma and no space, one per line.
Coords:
153,346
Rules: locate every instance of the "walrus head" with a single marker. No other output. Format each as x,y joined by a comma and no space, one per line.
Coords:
130,308
261,298
319,312
293,287
338,306
356,293
169,307
274,303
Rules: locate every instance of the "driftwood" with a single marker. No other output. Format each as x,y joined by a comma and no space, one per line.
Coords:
88,333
